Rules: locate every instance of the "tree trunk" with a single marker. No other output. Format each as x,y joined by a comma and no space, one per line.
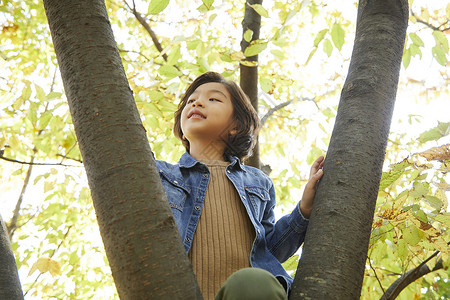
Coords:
335,250
142,243
249,74
10,287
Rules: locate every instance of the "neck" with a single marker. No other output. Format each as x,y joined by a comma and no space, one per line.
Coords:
207,150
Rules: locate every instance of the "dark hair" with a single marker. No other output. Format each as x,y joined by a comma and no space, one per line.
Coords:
244,115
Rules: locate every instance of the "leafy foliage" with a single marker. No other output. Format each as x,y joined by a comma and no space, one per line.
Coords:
56,240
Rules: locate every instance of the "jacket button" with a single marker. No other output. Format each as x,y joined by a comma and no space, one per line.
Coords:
228,171
259,231
243,197
176,182
197,207
188,239
205,175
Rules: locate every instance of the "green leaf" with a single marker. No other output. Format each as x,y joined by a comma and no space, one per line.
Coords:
260,10
434,202
319,37
421,215
419,190
155,96
416,39
439,55
157,6
291,263
284,18
443,218
153,123
248,35
441,40
327,47
415,50
174,56
44,120
278,54
266,84
313,154
169,71
387,178
53,95
310,55
412,235
328,113
406,59
337,35
255,48
32,115
167,105
402,250
443,129
152,110
40,94
26,93
208,3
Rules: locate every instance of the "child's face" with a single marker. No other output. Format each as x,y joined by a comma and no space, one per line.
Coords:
208,114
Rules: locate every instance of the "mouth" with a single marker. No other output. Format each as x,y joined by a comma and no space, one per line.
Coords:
195,114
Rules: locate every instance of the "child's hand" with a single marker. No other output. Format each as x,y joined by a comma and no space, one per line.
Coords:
310,189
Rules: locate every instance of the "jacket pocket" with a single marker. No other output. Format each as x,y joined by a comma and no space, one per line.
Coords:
175,191
258,197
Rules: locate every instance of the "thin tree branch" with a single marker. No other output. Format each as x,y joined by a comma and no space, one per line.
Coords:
280,106
401,283
137,52
146,26
33,163
431,25
376,276
12,226
53,253
273,110
66,157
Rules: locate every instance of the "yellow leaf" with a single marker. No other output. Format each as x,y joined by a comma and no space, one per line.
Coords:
238,55
260,10
46,264
249,63
436,153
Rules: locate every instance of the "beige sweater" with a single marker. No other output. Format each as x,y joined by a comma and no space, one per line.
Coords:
224,235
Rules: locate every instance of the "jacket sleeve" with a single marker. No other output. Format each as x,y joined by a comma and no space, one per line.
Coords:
285,236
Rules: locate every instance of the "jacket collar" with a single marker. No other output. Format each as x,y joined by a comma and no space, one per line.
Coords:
187,161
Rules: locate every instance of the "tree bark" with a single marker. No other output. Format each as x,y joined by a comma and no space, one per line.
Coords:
10,287
334,254
142,243
249,74
409,277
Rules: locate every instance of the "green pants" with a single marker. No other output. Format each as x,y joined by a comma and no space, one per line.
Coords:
251,284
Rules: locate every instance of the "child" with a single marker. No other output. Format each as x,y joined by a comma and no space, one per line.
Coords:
224,209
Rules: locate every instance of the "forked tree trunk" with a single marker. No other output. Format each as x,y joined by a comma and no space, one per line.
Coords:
10,287
335,250
249,74
142,243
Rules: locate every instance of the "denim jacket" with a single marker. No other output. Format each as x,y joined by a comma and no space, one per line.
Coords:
185,184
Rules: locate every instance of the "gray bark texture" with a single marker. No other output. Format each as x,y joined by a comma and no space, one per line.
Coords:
249,74
335,249
141,240
10,287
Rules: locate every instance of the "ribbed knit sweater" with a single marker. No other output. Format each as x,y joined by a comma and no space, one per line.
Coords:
224,235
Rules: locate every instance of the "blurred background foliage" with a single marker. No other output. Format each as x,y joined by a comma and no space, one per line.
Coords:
304,52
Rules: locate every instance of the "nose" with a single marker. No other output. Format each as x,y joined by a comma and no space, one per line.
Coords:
197,102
